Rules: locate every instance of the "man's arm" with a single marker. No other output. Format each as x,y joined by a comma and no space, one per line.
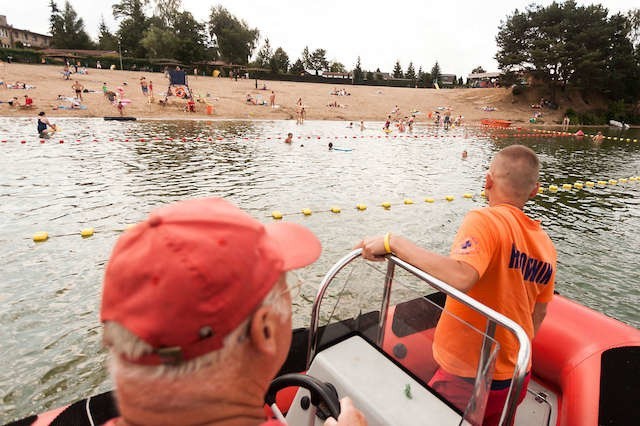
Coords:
459,274
539,312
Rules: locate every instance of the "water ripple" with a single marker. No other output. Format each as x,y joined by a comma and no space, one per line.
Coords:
49,293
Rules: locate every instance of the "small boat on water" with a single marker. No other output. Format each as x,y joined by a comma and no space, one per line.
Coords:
615,123
370,336
495,123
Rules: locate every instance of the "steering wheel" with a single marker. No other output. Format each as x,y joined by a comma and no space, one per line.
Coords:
321,393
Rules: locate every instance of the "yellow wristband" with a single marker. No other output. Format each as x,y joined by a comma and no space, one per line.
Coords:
387,245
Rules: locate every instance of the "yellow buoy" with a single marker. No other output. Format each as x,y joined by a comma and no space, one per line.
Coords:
449,198
41,236
567,186
468,195
361,207
590,184
483,194
429,200
540,189
86,232
553,188
602,182
306,212
335,209
276,214
408,201
615,138
613,181
623,180
578,185
386,205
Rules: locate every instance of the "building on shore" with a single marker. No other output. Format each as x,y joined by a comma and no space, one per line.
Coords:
483,79
14,37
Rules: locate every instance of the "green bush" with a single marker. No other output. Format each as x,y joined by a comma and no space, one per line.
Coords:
28,56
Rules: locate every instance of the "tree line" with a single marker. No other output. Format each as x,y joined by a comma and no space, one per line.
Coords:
561,45
171,33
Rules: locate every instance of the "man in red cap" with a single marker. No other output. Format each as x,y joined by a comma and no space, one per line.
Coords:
197,315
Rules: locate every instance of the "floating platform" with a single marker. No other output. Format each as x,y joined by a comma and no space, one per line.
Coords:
118,118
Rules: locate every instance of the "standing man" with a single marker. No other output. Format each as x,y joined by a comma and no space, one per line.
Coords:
272,99
197,315
144,87
77,87
501,258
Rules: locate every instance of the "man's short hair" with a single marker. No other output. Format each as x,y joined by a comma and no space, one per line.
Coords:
518,167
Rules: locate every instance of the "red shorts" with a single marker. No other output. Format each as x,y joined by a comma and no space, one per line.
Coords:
458,391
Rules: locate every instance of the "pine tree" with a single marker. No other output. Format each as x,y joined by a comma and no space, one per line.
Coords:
357,72
67,30
263,57
435,73
411,72
397,70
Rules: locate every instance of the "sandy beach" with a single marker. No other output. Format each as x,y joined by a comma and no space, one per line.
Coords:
228,98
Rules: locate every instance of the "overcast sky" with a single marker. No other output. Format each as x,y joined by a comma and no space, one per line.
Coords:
460,35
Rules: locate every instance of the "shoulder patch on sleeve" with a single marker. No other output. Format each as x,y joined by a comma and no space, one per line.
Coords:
466,245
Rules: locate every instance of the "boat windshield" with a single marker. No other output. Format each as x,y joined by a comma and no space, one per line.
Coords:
353,302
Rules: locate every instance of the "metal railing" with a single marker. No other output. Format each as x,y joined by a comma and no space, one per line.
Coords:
493,319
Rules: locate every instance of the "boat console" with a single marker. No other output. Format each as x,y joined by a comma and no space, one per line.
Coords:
374,344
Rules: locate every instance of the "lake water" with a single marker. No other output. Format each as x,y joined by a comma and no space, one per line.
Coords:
104,176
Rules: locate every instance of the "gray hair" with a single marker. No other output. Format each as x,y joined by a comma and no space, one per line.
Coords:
123,343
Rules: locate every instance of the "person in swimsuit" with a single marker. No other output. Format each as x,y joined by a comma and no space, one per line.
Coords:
45,128
387,123
143,86
78,89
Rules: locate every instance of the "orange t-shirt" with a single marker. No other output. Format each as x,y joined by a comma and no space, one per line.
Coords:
516,262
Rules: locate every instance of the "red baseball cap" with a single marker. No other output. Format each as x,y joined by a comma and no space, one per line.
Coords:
193,271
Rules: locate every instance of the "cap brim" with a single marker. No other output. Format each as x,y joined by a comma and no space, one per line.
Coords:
299,246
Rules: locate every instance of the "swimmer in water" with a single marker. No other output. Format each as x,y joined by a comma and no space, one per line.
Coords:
289,138
330,146
361,125
45,128
598,138
464,154
387,123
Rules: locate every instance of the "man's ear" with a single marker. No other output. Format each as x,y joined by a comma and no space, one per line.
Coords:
264,326
535,190
488,181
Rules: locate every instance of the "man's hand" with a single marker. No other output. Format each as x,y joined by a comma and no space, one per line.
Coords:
349,414
372,248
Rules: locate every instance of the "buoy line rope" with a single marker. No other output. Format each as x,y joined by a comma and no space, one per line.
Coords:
536,134
42,236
